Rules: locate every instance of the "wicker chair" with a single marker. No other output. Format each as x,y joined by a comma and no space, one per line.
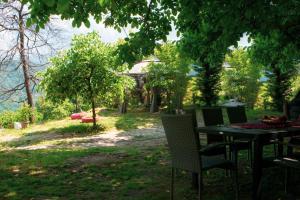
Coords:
291,160
192,111
238,115
186,154
213,116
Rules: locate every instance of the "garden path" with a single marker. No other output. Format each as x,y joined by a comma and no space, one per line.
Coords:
143,136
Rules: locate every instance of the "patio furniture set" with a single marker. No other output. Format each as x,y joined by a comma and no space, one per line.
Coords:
223,142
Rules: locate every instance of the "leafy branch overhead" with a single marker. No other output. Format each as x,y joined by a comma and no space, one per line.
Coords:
141,15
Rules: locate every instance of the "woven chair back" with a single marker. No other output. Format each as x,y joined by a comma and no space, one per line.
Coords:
236,114
183,141
213,116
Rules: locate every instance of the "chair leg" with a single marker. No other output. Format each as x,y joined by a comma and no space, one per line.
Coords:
172,184
195,180
286,179
235,174
236,183
251,155
200,186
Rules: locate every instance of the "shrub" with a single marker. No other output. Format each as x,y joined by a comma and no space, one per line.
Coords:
24,113
7,119
49,110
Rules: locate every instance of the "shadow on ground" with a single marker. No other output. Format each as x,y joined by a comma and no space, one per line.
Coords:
116,173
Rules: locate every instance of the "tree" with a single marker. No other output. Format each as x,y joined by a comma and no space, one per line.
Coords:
208,28
168,77
241,77
153,18
149,17
88,69
202,45
14,15
280,61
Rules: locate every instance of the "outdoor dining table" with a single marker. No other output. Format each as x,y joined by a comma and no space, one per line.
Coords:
259,137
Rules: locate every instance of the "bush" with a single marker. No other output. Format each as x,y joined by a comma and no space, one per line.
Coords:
7,119
49,110
24,113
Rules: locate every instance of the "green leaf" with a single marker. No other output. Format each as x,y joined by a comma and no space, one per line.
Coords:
49,3
103,2
87,23
29,22
62,5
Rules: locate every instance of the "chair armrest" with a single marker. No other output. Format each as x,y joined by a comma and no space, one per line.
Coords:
288,144
214,146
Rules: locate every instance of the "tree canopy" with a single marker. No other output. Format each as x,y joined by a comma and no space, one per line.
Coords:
241,77
206,28
88,69
170,75
153,18
280,61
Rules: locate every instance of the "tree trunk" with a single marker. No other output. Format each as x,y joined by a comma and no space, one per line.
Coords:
207,91
94,114
24,61
123,104
278,97
92,97
154,103
148,99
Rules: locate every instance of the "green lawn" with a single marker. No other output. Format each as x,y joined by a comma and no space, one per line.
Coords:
113,173
132,173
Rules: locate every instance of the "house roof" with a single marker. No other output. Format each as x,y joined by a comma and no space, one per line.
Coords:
140,67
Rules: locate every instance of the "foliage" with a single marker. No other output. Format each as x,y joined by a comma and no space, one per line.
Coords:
7,119
207,28
192,92
170,75
296,83
24,113
88,69
280,61
241,77
141,15
201,43
264,100
49,110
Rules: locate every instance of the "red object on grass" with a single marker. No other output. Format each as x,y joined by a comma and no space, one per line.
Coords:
78,115
87,119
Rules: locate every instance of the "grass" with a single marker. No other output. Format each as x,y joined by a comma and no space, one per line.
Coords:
54,132
130,120
117,173
114,173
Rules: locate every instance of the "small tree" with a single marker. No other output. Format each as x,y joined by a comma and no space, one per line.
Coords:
88,69
169,77
241,78
279,60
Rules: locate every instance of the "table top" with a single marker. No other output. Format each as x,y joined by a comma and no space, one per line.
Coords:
248,133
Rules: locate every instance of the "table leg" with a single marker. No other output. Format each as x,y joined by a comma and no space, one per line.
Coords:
257,168
195,180
280,146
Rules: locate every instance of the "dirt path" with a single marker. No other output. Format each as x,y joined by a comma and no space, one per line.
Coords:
147,136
